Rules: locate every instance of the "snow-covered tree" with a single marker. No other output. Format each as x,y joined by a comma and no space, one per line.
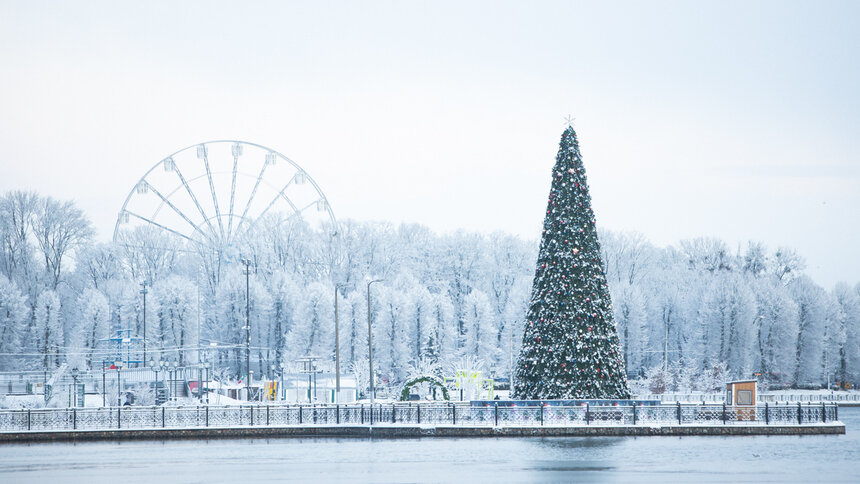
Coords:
443,335
419,324
848,299
481,334
59,228
728,315
47,332
630,317
93,328
776,333
13,320
174,305
313,331
809,370
390,344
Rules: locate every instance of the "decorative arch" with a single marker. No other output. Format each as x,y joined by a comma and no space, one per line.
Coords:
404,394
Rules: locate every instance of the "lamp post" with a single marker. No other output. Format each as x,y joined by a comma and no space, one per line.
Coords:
511,367
283,390
370,341
206,384
144,291
118,364
247,271
153,367
104,383
75,373
172,381
336,347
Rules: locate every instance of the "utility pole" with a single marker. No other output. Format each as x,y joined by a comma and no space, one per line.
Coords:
666,349
144,291
370,342
247,264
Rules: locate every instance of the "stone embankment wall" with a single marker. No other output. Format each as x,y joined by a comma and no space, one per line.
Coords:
368,431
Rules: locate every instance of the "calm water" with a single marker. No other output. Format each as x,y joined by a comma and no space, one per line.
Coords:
596,459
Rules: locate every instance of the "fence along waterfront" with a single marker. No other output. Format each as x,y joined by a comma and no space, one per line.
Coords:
107,418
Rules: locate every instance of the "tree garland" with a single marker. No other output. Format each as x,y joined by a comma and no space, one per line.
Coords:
404,394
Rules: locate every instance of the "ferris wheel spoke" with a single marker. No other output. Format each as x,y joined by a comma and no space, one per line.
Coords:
162,227
165,249
297,212
212,190
236,152
194,199
280,195
251,198
175,209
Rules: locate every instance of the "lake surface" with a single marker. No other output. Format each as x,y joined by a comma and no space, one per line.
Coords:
759,459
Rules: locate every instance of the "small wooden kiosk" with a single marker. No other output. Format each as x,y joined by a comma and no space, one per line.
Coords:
741,396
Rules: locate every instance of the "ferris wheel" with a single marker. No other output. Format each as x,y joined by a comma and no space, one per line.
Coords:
212,193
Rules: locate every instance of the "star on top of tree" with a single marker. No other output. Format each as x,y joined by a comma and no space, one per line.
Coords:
569,120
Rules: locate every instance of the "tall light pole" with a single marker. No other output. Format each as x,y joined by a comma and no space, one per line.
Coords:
144,291
511,367
336,347
370,341
247,264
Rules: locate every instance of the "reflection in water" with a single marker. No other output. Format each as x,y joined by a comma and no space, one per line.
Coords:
563,459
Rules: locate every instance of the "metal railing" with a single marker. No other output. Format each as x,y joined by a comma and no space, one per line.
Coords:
793,397
412,414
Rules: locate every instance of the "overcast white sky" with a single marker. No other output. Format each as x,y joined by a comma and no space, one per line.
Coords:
730,119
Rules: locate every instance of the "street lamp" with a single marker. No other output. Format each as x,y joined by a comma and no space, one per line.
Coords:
206,367
118,364
172,381
75,373
370,341
144,291
154,368
247,264
336,347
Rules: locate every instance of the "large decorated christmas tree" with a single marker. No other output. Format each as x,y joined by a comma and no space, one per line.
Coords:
570,343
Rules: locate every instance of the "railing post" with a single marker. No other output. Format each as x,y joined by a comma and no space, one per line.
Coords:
799,418
371,414
267,415
162,417
496,412
823,413
634,414
393,410
28,413
337,414
541,413
362,414
418,412
587,414
251,407
454,414
118,418
207,415
300,415
724,413
75,419
766,414
836,412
